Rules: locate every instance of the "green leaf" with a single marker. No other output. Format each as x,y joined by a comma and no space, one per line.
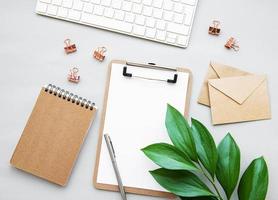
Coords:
198,198
181,183
180,133
254,181
205,146
169,157
228,164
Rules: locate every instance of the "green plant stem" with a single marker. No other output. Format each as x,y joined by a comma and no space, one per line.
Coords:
211,181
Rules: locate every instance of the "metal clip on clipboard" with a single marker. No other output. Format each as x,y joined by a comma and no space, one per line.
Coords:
150,66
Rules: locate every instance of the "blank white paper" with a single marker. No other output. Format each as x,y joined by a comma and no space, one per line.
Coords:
135,118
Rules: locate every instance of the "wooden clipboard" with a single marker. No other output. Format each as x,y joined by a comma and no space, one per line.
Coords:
101,129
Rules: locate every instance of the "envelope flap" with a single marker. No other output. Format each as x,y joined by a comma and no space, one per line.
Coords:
227,71
238,88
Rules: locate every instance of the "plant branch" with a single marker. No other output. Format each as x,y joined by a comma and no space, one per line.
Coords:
211,181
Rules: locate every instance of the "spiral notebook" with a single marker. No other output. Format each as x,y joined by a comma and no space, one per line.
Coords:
53,135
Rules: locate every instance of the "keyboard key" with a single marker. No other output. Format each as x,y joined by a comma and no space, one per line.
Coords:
168,5
139,30
119,15
178,7
150,32
160,25
178,18
74,15
52,10
168,15
140,20
182,40
45,1
67,3
150,22
116,4
147,2
189,14
62,12
106,22
160,35
108,12
157,3
98,10
57,2
137,8
41,7
171,37
129,17
157,13
189,2
77,5
126,6
106,2
171,40
147,11
95,1
177,28
88,7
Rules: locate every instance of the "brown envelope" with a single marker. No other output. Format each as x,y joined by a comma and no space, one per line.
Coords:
238,99
217,70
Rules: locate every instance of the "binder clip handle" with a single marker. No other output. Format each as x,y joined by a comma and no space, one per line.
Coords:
73,76
232,44
74,70
67,42
173,80
125,72
69,48
216,23
102,50
214,29
99,53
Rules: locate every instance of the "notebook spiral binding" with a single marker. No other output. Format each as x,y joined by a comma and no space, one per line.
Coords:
52,89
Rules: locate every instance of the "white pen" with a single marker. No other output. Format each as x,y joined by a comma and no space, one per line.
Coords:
115,166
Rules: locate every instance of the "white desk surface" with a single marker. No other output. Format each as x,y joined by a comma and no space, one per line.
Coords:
31,55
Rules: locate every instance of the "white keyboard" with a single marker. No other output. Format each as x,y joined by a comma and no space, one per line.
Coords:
165,21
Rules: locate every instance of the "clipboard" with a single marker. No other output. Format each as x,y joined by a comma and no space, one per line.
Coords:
125,72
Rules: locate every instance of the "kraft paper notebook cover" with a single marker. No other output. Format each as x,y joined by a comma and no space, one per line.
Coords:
133,115
53,135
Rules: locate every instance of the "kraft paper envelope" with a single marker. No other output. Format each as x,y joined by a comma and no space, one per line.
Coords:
239,99
217,70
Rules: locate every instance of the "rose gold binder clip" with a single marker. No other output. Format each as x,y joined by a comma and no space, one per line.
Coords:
232,44
214,29
99,53
69,48
73,76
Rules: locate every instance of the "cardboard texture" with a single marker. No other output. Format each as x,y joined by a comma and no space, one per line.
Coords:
52,138
235,95
134,190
